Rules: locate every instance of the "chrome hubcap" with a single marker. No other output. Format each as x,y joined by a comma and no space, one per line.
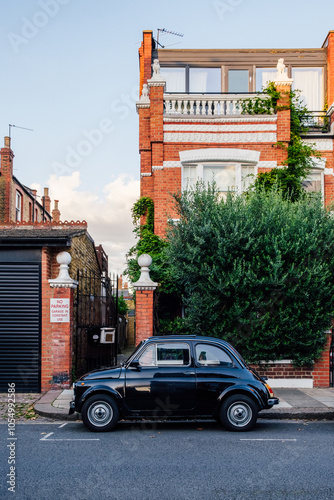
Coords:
100,413
239,414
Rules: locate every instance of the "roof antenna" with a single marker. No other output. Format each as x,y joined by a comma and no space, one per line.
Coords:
163,30
24,128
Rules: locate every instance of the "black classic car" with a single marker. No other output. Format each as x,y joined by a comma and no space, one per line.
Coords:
176,376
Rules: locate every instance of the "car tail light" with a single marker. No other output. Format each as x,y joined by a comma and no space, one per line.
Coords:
270,390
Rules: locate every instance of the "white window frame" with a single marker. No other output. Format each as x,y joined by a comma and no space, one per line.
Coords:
319,165
18,206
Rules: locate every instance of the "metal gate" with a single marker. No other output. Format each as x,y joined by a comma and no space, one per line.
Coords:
20,326
95,309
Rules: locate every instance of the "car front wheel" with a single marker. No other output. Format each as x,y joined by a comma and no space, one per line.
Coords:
100,413
238,413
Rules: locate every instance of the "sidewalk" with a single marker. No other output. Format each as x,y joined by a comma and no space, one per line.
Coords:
294,404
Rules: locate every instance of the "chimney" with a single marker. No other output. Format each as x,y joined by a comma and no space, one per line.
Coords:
56,212
46,200
34,193
7,157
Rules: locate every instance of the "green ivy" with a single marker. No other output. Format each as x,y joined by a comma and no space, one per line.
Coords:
299,161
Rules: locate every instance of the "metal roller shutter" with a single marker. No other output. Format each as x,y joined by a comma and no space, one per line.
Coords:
20,319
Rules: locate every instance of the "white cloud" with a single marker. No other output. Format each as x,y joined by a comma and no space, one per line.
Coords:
108,216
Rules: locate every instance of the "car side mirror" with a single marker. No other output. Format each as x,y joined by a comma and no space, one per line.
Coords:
135,364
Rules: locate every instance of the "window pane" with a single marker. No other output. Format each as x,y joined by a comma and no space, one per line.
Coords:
223,176
189,176
310,82
204,80
210,355
313,182
173,354
247,176
264,76
238,80
175,79
148,358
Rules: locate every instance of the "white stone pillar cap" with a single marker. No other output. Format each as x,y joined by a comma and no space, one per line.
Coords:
145,282
63,279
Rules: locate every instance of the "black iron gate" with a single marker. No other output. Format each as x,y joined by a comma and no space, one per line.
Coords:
95,339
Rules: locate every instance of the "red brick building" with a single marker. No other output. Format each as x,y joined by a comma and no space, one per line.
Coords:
54,291
191,127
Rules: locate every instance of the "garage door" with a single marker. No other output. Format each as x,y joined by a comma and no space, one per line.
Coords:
20,313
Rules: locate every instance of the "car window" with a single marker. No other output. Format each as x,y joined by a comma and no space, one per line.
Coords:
166,354
207,355
149,356
173,354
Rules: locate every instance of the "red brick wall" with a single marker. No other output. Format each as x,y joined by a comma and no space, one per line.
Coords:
144,314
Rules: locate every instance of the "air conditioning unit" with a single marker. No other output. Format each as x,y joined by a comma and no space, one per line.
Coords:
107,336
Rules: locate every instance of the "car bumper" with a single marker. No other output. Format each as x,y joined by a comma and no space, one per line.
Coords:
271,402
72,408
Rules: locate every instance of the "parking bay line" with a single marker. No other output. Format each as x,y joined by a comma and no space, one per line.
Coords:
46,438
263,439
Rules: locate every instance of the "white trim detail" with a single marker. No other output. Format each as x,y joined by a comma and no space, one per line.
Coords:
267,164
220,137
298,383
157,167
146,174
215,119
220,128
320,144
219,154
172,164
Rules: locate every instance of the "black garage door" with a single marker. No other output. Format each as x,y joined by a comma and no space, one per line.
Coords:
20,318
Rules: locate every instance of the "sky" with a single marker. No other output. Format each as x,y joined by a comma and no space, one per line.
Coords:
69,72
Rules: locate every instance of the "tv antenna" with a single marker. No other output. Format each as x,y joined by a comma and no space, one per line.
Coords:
163,30
16,126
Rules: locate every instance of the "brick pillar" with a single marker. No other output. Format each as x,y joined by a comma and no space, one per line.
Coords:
57,323
321,367
145,58
144,300
283,85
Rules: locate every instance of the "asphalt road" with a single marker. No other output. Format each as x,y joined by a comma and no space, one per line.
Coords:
169,461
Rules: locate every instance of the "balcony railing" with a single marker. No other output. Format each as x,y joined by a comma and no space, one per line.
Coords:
317,122
209,104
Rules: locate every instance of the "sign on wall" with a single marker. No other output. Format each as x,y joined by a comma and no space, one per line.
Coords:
59,310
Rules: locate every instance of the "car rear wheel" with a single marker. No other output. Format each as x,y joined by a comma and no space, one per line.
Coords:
100,413
238,413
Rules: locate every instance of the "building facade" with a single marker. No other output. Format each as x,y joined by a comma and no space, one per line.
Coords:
192,126
191,123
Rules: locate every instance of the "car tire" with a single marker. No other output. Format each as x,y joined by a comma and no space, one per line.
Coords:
100,413
238,413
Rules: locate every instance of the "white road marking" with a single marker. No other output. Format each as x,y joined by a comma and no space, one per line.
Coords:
45,438
282,439
62,425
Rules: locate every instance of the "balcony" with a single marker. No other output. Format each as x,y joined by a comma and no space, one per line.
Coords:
317,123
214,105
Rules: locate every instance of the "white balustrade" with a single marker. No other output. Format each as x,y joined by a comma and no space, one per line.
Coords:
206,105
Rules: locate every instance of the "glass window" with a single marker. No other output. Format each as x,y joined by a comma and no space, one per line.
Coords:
149,357
247,176
313,182
204,80
238,80
189,176
211,355
173,354
175,79
264,76
18,206
224,176
310,82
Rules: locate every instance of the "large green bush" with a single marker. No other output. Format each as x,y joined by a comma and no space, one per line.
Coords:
257,270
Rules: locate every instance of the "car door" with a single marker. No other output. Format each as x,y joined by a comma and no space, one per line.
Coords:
164,381
216,370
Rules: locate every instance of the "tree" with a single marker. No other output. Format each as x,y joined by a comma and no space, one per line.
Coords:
256,270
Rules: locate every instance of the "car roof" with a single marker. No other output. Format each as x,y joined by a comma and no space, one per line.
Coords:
194,338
